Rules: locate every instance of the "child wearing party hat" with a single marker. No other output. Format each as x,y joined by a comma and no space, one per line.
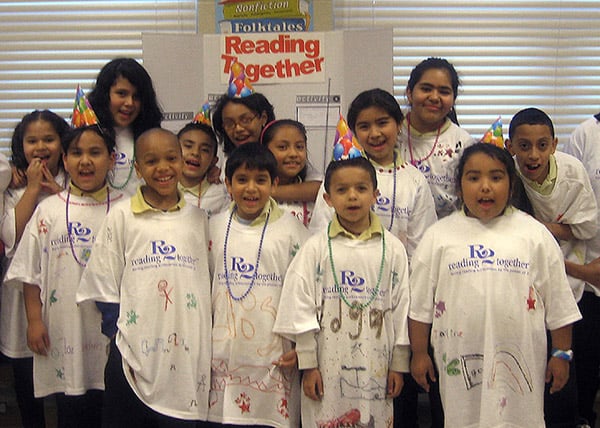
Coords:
199,148
345,304
254,373
404,204
239,117
69,348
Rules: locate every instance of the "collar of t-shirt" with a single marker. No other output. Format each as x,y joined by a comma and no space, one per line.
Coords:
99,195
374,228
139,204
271,206
197,190
546,187
397,156
443,129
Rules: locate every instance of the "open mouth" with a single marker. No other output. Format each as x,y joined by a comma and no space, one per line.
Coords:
192,162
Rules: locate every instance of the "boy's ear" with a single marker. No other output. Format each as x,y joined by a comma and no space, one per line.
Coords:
508,146
327,199
554,144
113,160
137,169
228,186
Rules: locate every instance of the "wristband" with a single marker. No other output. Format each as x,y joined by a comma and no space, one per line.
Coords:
563,355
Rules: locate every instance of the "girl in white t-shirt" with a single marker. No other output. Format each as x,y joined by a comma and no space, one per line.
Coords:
487,282
286,139
430,138
36,157
124,99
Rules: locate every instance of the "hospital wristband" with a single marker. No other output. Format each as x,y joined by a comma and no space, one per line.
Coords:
563,355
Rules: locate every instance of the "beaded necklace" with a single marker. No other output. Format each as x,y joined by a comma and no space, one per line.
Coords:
417,162
79,262
356,305
122,186
260,244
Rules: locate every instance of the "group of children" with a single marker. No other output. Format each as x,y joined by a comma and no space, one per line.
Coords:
285,301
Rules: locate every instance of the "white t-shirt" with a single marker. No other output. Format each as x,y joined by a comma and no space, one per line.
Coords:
571,202
50,255
246,387
353,348
585,146
490,291
13,320
214,199
123,176
437,160
411,203
155,265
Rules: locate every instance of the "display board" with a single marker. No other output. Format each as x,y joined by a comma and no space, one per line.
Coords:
309,76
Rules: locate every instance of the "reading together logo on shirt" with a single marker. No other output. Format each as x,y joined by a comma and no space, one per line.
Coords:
162,253
481,258
78,233
239,269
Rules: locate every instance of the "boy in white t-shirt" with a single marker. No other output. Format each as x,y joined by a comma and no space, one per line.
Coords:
345,303
254,374
150,263
199,147
562,198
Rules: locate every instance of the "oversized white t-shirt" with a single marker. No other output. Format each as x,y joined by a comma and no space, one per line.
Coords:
584,144
246,387
437,160
155,265
13,320
353,347
52,255
411,204
490,291
571,202
213,200
123,176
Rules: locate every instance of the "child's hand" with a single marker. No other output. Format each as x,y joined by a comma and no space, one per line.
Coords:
421,367
214,175
37,338
557,371
395,382
19,178
49,184
312,383
288,360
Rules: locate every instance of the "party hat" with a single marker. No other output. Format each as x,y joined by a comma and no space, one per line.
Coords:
346,145
203,115
83,114
494,134
239,84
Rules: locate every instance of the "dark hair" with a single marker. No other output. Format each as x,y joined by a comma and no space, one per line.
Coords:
359,162
193,126
256,102
494,152
374,98
440,64
18,154
271,128
530,116
150,115
73,136
252,156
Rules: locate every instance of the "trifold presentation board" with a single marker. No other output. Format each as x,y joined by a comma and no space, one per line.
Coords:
308,76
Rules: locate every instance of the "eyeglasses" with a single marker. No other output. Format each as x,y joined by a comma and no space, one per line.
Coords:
243,121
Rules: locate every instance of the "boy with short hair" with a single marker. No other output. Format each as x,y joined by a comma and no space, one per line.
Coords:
199,147
151,259
562,198
254,374
345,303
